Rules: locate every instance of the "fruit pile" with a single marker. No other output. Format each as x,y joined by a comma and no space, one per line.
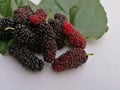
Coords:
32,33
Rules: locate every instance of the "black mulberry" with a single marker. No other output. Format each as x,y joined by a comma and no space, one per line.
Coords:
25,57
22,14
48,41
36,44
5,28
60,17
71,59
60,38
23,34
7,22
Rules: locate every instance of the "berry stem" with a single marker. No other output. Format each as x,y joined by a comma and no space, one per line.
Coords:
9,28
47,18
90,54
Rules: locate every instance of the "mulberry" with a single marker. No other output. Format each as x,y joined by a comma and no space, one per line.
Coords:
69,60
60,38
7,22
26,58
21,15
6,25
38,17
41,12
74,37
60,17
48,42
23,35
36,44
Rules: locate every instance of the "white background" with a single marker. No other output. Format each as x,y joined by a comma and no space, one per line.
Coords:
101,72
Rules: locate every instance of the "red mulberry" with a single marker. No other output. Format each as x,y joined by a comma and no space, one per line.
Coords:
69,60
38,17
41,12
21,15
60,38
74,37
25,57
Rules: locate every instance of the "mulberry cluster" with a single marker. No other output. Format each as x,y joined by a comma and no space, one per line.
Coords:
60,38
31,33
25,57
71,59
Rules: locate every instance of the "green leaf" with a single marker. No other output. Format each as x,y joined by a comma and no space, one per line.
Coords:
50,6
91,19
88,16
8,6
4,46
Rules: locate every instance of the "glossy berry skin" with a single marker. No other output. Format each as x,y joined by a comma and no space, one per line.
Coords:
38,17
74,37
70,59
25,57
